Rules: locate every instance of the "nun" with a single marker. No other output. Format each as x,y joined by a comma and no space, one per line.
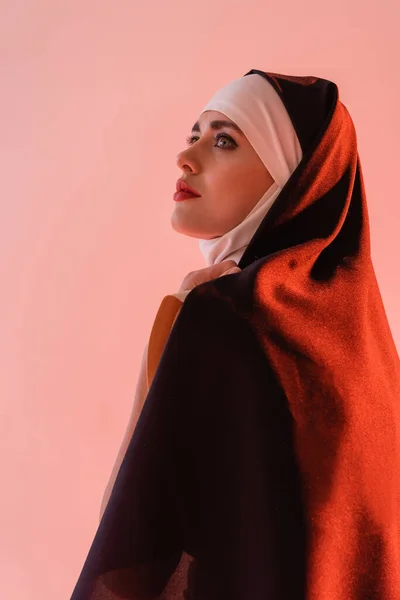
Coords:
261,457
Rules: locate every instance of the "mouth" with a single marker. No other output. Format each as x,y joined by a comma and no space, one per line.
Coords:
180,196
183,186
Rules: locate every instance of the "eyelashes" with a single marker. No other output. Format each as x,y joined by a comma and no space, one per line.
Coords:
190,141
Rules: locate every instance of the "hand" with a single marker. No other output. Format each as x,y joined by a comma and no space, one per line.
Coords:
195,278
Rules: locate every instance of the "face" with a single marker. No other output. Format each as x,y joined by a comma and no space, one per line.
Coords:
222,166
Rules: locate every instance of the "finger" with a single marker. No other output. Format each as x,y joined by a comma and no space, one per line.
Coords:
231,271
222,267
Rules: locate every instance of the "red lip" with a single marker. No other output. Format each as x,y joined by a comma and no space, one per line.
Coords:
180,196
183,186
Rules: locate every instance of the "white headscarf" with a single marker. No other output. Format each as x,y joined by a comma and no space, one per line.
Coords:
253,104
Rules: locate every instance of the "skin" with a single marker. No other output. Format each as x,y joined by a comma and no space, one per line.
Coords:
229,176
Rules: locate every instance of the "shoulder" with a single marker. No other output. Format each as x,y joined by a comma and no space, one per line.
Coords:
211,330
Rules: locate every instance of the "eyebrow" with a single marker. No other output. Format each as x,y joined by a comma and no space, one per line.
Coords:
218,124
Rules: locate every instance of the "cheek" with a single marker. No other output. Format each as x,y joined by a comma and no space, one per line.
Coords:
228,183
238,191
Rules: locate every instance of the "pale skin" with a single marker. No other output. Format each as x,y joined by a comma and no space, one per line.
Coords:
222,166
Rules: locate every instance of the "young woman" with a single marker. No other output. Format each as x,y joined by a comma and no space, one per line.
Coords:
230,178
261,459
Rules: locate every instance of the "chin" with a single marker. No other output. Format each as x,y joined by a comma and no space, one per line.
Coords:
183,227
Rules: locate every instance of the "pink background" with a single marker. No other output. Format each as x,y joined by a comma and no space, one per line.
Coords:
96,100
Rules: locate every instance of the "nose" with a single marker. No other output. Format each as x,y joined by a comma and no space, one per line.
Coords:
186,161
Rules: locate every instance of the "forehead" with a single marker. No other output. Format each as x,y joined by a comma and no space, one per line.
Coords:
209,115
215,120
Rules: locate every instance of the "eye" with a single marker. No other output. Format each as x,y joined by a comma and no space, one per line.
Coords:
191,138
220,136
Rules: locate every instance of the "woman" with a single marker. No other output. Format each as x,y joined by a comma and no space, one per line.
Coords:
229,210
264,462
